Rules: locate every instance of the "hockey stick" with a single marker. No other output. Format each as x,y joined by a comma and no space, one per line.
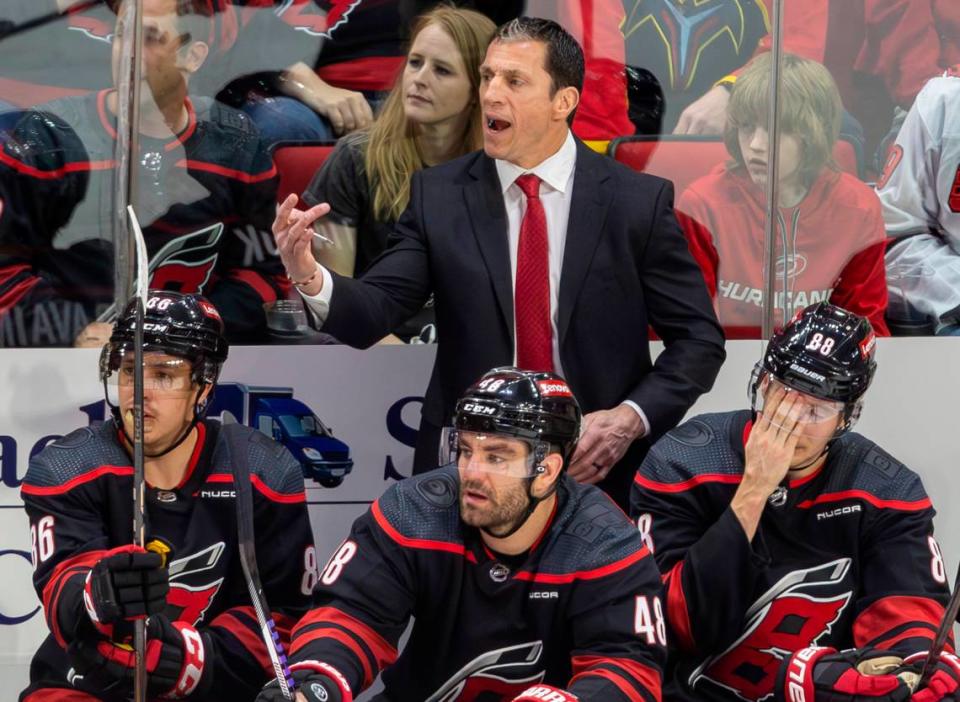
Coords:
139,481
50,17
237,454
943,633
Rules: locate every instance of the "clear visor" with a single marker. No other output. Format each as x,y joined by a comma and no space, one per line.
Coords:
787,408
162,375
491,453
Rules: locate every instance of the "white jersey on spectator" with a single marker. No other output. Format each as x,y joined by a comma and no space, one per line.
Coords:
920,192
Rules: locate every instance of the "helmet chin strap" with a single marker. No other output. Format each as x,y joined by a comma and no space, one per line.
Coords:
199,410
532,502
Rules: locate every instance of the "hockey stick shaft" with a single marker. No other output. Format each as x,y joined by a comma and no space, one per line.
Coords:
51,17
943,633
251,572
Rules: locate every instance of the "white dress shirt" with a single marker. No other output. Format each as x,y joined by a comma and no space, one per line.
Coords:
556,191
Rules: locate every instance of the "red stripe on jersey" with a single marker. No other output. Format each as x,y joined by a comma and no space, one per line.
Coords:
807,478
59,694
408,542
602,571
924,632
642,675
17,292
256,281
889,613
384,653
56,173
677,613
188,130
74,482
242,176
195,456
66,569
915,506
345,639
687,484
262,488
247,637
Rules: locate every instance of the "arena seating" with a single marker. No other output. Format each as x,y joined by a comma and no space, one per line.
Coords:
296,163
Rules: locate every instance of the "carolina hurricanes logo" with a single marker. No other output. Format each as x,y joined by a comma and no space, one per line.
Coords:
688,29
795,613
793,265
191,602
91,26
500,674
303,15
186,263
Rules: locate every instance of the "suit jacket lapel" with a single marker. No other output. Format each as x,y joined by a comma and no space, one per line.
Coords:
489,219
588,211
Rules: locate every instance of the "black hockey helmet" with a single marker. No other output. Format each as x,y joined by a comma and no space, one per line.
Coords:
533,405
826,352
184,325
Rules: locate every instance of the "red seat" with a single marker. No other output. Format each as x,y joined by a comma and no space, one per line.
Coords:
296,164
684,159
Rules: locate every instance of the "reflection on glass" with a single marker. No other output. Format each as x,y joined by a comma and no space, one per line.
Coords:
829,236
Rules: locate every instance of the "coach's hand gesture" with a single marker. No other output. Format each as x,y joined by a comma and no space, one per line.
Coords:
293,232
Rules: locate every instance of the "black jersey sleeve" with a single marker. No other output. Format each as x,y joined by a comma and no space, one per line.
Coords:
618,630
362,602
699,545
67,535
903,575
287,564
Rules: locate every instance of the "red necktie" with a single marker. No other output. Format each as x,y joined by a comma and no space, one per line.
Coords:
531,294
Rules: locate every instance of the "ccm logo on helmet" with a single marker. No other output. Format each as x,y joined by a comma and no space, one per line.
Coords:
553,388
479,409
807,372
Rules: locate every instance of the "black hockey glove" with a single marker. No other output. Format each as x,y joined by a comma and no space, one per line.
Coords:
317,682
855,675
943,684
545,693
176,659
126,584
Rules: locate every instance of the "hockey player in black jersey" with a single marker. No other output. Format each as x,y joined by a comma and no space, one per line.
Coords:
523,585
204,641
206,194
779,529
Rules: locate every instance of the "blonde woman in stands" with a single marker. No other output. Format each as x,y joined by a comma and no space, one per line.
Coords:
432,115
829,229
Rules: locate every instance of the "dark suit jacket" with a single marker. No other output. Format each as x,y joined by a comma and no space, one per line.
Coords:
625,267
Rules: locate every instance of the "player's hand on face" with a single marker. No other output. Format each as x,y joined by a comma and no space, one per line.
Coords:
772,441
707,115
293,232
606,436
93,336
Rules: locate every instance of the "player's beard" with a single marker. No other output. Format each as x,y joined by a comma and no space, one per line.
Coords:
501,513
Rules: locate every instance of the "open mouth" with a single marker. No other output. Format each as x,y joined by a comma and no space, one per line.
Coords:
497,125
475,497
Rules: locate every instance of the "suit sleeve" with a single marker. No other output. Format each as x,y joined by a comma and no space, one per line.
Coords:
680,312
618,633
68,537
287,564
396,285
361,605
904,583
704,556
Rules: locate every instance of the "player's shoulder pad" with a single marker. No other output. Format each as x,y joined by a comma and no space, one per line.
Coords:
80,453
588,533
45,139
270,463
857,463
424,507
709,445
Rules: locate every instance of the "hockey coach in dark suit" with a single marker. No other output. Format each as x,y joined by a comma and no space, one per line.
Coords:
539,253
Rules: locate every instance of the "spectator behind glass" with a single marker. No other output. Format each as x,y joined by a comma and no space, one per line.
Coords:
205,198
831,239
921,207
432,115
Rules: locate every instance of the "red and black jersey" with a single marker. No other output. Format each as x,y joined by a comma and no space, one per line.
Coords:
849,560
206,203
580,610
78,494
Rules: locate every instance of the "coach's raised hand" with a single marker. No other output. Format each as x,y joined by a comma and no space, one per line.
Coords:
293,232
